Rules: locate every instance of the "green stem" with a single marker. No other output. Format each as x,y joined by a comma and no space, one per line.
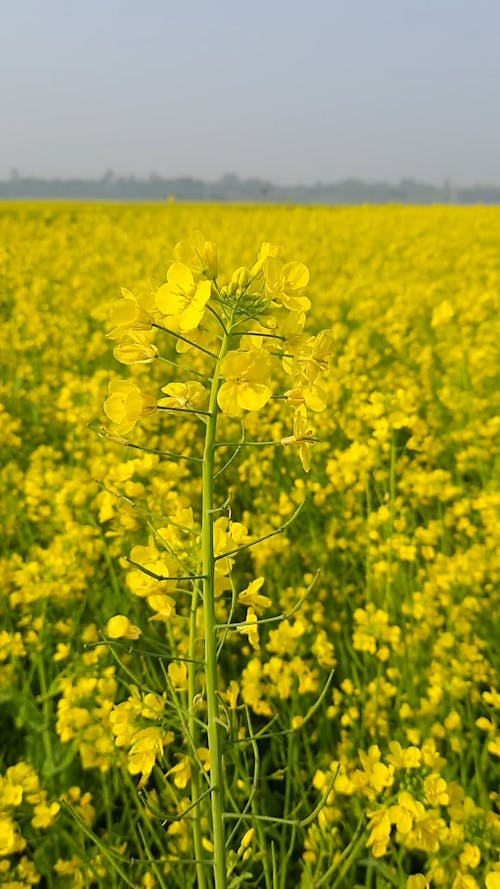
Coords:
208,570
194,735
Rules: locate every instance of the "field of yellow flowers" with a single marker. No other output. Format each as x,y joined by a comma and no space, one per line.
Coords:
315,701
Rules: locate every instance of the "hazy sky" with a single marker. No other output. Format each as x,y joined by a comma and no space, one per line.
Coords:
290,91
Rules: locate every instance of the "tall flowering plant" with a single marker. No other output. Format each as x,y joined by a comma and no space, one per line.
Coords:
240,344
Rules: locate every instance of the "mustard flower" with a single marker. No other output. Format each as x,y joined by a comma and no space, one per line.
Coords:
126,404
45,815
184,395
128,314
137,349
266,250
183,298
302,436
181,773
417,881
285,283
436,790
198,255
246,386
380,832
250,628
252,596
119,627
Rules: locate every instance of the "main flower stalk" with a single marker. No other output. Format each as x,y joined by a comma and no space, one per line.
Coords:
208,570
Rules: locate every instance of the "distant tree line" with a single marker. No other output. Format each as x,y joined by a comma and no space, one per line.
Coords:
232,188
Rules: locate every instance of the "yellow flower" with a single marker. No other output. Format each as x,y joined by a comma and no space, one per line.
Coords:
127,314
63,651
417,881
436,790
246,382
406,810
247,840
250,628
267,249
302,436
375,775
198,254
312,396
184,395
163,606
7,836
126,404
45,815
231,694
137,349
308,356
427,831
464,881
183,298
181,773
470,856
178,674
147,747
285,283
403,758
251,596
380,833
119,627
204,757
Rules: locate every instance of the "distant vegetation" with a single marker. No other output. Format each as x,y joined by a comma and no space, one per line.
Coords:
232,188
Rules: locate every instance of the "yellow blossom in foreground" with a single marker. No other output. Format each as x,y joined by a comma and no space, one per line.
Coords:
184,395
45,815
417,881
183,298
7,836
198,254
119,627
126,404
403,758
147,747
181,773
250,628
128,314
302,436
178,674
471,856
252,596
246,385
464,881
136,349
285,283
436,790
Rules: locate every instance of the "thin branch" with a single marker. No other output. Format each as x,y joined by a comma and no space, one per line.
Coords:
183,410
273,336
283,527
188,370
102,432
219,319
185,340
228,462
245,444
185,812
160,576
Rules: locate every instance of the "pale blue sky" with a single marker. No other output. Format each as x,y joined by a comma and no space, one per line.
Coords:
289,91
